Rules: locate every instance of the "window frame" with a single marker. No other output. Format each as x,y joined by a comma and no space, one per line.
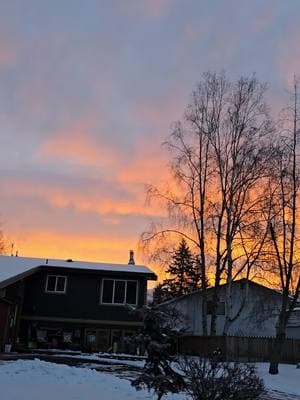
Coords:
113,292
55,291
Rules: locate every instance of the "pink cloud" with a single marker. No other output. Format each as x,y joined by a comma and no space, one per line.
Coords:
78,145
147,166
151,8
7,53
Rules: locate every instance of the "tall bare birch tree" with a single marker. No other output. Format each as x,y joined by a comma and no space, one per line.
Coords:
219,157
192,171
241,148
284,224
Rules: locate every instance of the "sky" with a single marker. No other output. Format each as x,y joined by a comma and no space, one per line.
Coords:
88,92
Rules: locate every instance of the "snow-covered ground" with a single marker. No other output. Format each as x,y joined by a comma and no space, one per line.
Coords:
287,381
108,357
35,380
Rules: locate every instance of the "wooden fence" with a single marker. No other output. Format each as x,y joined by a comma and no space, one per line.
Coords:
235,348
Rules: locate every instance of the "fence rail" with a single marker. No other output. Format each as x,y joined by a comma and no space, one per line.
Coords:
235,348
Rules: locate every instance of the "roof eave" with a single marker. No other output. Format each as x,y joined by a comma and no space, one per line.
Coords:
18,277
150,276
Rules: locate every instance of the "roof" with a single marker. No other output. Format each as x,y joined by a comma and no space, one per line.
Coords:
211,288
13,269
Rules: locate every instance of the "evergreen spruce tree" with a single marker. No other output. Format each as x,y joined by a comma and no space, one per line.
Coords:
158,339
184,275
194,275
162,292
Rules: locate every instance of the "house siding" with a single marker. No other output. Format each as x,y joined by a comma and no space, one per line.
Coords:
78,310
81,300
32,316
258,317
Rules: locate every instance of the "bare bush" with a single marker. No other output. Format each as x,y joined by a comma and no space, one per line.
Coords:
214,380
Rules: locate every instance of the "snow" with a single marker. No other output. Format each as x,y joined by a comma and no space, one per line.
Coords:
97,357
286,381
17,267
36,380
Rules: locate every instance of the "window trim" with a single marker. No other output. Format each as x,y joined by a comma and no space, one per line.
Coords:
55,291
125,294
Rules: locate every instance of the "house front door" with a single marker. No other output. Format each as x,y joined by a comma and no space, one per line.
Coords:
97,339
103,343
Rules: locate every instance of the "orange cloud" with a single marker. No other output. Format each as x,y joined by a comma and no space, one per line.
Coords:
77,246
52,244
91,199
79,146
148,166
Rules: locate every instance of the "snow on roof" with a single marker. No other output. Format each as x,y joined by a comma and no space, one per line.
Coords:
17,267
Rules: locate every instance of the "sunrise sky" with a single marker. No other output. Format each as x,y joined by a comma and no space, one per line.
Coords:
88,91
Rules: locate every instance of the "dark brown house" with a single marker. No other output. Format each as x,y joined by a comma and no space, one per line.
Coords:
68,304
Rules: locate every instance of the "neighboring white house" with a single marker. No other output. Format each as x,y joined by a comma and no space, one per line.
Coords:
293,328
258,316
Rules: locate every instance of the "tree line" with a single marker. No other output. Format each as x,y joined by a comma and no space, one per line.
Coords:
234,194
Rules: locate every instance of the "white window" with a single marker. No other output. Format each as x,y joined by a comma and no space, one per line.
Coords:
118,291
56,284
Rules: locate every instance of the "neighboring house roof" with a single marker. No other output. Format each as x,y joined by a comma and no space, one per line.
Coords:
209,289
13,269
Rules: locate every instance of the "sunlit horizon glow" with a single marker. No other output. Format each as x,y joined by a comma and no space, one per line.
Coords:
88,94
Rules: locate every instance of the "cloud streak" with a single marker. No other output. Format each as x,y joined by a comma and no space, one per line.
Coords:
89,93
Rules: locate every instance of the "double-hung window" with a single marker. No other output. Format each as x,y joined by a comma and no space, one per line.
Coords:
118,291
56,284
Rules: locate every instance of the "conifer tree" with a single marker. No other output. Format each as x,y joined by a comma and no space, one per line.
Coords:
158,338
184,275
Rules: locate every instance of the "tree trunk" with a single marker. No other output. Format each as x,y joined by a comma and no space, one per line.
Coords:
276,353
228,308
204,313
213,321
204,291
159,396
228,301
215,300
279,340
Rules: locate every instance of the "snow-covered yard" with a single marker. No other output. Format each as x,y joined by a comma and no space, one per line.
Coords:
287,381
35,379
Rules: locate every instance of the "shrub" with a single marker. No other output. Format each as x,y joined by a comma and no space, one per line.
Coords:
157,339
214,380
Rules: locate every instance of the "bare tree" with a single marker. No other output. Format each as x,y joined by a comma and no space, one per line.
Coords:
219,158
191,169
284,224
2,243
241,150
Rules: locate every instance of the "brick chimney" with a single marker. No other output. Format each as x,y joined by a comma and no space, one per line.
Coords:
131,258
